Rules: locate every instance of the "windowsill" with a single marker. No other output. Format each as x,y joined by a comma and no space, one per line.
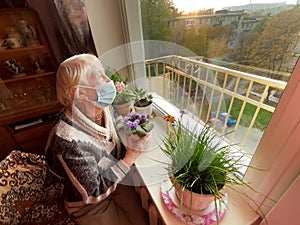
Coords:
238,210
162,107
153,172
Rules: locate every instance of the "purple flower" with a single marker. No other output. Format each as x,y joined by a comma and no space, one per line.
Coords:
144,117
126,119
131,125
134,120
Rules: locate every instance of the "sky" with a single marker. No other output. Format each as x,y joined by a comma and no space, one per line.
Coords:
191,5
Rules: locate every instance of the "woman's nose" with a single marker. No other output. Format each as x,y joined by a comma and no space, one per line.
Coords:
106,78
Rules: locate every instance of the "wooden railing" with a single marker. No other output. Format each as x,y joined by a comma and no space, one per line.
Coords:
230,100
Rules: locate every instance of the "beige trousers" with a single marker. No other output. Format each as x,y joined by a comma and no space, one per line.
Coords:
123,207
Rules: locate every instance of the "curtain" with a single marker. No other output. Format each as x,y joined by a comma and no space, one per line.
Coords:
72,27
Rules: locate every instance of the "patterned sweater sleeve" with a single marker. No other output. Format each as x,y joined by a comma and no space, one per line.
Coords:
90,171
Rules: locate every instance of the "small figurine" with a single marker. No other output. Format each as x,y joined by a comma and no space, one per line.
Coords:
14,67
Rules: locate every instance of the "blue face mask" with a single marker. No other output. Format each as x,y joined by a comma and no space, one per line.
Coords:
106,93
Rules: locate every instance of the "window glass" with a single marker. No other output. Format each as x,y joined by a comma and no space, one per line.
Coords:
241,56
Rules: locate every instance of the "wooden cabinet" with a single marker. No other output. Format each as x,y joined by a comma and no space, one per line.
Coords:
27,71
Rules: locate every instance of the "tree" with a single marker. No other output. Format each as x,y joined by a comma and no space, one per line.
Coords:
242,52
220,31
218,48
197,42
273,49
156,16
219,36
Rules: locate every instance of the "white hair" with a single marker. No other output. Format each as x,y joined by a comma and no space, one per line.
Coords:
71,72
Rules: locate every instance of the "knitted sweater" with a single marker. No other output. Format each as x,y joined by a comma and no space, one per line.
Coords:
86,164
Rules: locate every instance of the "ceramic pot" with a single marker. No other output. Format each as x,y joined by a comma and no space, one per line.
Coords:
135,137
146,110
191,200
123,109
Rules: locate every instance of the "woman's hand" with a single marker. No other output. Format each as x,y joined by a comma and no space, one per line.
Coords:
134,148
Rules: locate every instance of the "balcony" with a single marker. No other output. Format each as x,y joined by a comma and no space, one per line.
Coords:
235,103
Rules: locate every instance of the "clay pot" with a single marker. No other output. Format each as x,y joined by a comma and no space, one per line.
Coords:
193,201
146,110
123,109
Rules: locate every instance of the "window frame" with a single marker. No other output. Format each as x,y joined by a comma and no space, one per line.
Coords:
278,151
280,168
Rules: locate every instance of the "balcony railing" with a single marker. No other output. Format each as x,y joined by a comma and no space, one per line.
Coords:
236,103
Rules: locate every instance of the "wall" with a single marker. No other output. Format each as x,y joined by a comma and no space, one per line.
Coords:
117,33
107,30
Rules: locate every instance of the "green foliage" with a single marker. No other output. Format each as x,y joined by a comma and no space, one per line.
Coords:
125,95
115,76
156,15
142,130
261,25
274,47
142,98
263,117
135,123
200,162
197,42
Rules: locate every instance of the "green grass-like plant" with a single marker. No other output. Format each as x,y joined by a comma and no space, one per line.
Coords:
200,161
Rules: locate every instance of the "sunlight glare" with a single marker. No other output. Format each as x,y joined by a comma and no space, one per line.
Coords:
193,5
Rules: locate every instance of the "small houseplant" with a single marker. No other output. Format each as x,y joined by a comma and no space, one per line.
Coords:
200,165
124,99
143,101
136,124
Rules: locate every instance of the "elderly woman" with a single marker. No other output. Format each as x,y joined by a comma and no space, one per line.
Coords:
83,147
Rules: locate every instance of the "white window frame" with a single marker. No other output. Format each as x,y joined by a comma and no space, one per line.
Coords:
278,151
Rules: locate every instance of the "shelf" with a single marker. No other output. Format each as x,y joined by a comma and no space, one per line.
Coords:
28,113
29,76
21,50
30,95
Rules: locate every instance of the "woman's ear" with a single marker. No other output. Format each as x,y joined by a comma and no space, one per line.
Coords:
78,93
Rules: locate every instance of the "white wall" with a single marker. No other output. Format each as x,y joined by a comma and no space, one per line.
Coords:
117,32
107,30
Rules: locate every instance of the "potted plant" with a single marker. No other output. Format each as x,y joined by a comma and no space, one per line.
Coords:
133,128
200,166
124,99
136,124
143,101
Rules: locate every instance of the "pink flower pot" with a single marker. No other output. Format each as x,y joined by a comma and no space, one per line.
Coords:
191,200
